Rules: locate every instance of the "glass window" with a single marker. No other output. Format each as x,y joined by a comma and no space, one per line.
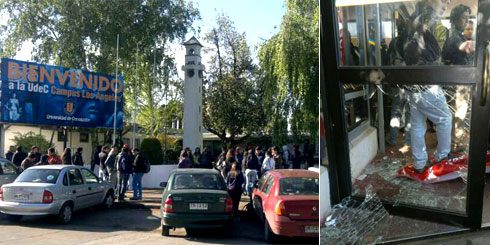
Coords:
268,185
190,73
261,181
39,176
7,168
406,33
198,181
89,176
75,177
298,186
65,180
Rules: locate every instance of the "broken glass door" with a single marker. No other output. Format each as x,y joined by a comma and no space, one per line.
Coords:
411,78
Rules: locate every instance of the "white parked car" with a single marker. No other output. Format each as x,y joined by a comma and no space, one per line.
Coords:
54,190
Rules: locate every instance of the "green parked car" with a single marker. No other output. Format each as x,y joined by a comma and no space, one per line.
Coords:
196,198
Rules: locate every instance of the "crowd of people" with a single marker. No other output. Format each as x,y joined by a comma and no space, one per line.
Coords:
113,166
242,168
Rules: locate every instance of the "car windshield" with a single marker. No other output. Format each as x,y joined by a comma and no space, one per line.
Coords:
198,181
298,186
39,176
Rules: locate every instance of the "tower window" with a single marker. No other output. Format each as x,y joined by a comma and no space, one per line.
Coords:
191,51
200,74
190,72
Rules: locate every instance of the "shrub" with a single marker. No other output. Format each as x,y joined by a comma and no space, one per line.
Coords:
152,150
29,139
172,156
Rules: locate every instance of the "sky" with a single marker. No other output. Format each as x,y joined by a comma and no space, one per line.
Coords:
259,19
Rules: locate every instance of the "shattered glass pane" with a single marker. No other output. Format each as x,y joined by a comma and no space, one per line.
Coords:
371,167
351,221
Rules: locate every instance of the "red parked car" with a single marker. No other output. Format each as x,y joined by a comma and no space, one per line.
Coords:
287,201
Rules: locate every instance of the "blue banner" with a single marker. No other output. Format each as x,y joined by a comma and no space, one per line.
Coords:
35,93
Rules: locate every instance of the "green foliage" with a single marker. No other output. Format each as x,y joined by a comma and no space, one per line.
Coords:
152,150
29,139
172,156
171,142
232,97
289,67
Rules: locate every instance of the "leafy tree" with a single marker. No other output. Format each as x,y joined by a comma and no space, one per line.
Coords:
152,150
289,67
29,139
231,95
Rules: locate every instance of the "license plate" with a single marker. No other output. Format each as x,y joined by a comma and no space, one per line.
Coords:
198,206
21,197
311,229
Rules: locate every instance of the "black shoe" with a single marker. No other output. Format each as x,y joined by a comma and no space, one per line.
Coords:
419,171
133,198
448,157
429,163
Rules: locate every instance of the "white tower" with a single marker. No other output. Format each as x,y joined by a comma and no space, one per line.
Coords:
193,95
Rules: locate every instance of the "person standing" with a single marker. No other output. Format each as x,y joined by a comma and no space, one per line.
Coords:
28,162
19,156
184,161
10,153
66,157
287,157
110,164
253,161
276,155
102,167
53,158
269,163
428,102
197,158
124,166
239,156
206,159
298,157
260,155
139,171
458,50
234,182
43,161
77,157
95,158
35,151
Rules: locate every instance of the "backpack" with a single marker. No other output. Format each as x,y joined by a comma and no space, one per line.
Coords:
147,166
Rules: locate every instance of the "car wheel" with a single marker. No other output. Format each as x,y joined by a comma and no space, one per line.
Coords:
108,200
190,231
64,216
257,204
14,218
165,230
269,235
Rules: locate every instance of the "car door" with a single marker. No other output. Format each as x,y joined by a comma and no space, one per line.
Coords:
268,200
8,172
94,189
78,188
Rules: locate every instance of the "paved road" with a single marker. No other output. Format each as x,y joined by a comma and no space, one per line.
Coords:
134,222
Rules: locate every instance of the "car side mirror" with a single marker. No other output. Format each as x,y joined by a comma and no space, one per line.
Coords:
163,184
